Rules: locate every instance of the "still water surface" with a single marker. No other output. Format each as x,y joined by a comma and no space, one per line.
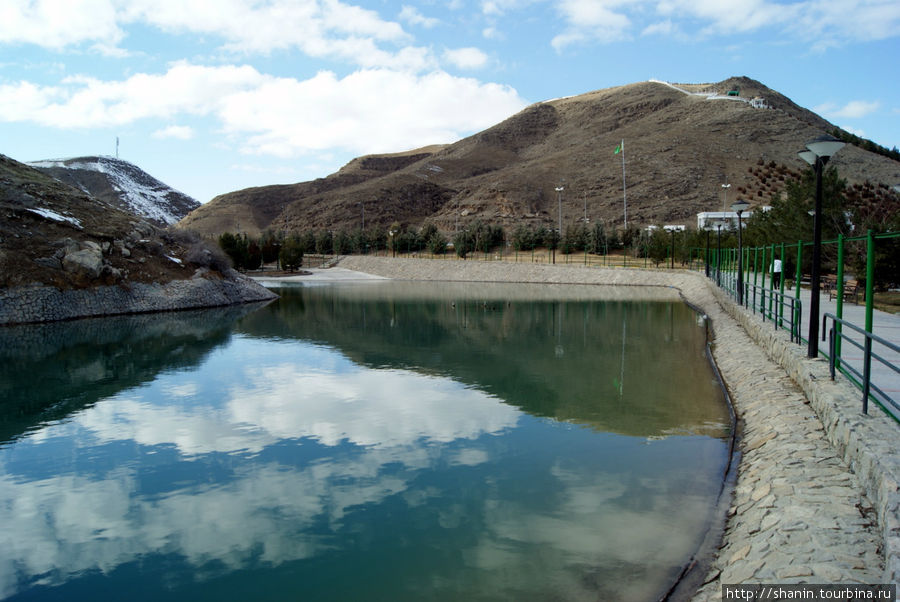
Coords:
376,441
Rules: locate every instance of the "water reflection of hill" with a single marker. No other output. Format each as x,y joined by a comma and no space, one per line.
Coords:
77,363
633,367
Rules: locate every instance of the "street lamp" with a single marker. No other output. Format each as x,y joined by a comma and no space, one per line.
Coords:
672,265
739,207
817,154
559,190
718,254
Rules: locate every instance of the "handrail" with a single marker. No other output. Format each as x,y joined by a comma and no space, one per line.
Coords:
756,297
775,311
864,380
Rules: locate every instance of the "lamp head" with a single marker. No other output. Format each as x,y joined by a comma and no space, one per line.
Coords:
825,146
808,156
740,206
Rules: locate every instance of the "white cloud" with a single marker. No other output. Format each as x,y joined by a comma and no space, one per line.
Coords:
729,17
854,131
591,20
855,109
838,21
59,23
368,111
371,110
662,28
466,58
179,132
318,28
411,15
80,101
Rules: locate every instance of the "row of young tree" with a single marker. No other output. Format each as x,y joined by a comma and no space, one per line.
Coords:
787,221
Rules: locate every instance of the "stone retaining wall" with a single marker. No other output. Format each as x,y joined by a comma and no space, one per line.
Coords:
22,305
867,442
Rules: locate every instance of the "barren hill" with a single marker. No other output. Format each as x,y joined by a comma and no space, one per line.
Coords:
123,185
54,234
682,142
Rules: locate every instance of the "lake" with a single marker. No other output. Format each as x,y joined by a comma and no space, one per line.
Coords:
361,441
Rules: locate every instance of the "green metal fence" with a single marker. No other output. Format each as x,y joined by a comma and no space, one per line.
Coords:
781,304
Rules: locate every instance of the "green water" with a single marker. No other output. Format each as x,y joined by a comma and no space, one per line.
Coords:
374,441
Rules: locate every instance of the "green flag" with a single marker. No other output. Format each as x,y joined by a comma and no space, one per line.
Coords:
619,148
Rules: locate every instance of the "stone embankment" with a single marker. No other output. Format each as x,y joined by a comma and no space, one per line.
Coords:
27,304
800,513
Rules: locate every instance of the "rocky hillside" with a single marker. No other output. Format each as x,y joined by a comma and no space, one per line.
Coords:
122,185
682,142
53,234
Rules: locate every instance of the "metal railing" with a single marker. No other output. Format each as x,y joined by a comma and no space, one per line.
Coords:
782,309
862,380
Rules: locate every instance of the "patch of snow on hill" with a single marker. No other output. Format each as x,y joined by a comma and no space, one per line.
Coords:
56,217
142,193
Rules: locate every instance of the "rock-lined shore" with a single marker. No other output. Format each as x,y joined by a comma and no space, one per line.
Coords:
799,514
28,304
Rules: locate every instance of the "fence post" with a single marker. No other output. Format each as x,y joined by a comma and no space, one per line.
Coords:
839,306
762,285
870,277
781,287
870,288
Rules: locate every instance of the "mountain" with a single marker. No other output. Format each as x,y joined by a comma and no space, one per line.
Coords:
123,185
682,143
57,235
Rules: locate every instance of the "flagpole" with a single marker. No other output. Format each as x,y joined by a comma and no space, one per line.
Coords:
624,195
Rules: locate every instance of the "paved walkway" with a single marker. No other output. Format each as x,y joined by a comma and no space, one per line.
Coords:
884,325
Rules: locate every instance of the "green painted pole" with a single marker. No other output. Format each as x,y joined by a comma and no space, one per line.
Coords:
870,304
781,288
870,278
797,278
762,285
839,309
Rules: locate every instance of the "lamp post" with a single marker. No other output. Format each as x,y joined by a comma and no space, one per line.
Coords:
707,253
718,254
672,264
559,190
817,154
739,207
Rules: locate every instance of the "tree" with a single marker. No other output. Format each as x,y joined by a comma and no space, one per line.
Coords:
464,242
657,244
324,242
291,253
342,243
436,243
235,246
789,219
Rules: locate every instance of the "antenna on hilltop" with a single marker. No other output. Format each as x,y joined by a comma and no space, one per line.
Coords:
117,147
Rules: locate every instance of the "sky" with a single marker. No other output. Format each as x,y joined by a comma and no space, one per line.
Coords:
212,96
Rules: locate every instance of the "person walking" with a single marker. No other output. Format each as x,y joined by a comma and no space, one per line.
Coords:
776,273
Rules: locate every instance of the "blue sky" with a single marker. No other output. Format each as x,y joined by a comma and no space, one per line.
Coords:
216,95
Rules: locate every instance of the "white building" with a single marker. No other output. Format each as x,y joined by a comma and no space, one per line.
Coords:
727,219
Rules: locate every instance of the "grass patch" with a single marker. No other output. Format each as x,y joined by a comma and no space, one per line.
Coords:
888,302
